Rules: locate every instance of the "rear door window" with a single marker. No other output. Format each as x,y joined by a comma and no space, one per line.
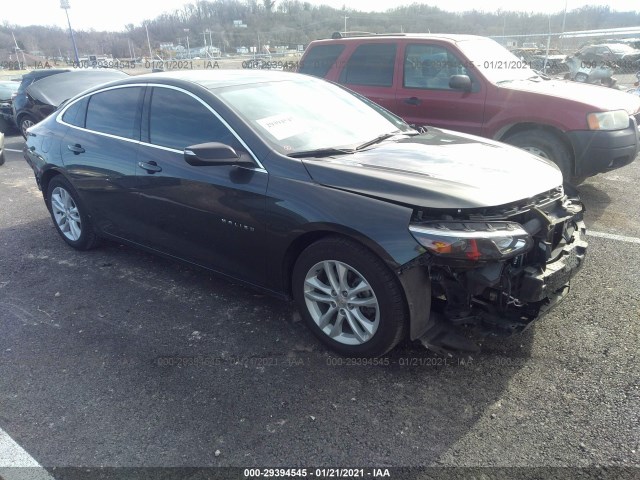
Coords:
371,64
115,112
319,60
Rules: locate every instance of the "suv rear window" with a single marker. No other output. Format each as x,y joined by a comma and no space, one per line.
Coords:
320,59
371,64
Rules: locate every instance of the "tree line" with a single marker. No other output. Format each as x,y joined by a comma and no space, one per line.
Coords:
291,23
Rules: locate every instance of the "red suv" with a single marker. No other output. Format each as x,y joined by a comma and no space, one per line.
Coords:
474,85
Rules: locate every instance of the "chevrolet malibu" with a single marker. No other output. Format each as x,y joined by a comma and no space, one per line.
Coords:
300,188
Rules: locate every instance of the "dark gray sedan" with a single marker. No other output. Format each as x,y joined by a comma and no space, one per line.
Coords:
298,187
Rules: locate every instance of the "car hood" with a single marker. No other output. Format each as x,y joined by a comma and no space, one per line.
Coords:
55,89
598,97
439,169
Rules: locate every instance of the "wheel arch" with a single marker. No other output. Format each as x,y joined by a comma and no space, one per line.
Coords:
44,180
509,130
20,116
414,280
304,240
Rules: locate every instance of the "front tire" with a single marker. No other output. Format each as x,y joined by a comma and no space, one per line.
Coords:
349,298
545,145
69,215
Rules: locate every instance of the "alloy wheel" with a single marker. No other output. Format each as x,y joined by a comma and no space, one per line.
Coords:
341,302
24,125
66,214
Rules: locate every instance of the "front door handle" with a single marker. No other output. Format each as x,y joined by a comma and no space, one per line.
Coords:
150,167
76,149
412,101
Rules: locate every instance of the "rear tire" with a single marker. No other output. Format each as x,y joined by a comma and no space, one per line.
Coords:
24,123
69,214
349,298
546,145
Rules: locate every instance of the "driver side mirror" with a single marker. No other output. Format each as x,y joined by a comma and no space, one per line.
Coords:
213,153
460,82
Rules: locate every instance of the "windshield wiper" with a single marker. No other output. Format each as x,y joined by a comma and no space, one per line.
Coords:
383,137
321,152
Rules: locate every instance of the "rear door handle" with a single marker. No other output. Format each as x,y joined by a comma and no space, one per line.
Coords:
412,101
150,167
76,149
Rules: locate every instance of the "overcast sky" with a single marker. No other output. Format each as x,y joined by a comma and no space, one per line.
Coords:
114,14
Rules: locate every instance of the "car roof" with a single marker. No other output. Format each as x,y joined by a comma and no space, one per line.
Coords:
212,79
606,45
450,37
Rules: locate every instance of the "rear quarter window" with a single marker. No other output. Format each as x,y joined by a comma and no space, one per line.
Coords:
319,60
75,114
371,64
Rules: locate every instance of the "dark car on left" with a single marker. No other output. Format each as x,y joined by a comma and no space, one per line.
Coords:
41,92
300,188
8,90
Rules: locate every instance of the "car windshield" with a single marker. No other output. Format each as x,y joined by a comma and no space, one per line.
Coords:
306,114
495,62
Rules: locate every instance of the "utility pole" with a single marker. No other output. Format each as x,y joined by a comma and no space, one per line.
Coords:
564,20
18,49
210,42
345,24
186,30
149,43
64,4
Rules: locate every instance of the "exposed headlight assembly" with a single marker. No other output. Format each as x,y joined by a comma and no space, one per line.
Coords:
615,120
472,241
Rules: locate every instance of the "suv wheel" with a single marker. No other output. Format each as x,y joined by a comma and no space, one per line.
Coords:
545,145
26,121
349,298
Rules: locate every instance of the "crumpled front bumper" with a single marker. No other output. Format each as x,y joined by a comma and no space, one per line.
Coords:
540,284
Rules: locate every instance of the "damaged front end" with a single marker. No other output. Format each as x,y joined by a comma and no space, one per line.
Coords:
497,269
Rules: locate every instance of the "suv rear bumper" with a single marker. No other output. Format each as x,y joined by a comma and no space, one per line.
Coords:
599,151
